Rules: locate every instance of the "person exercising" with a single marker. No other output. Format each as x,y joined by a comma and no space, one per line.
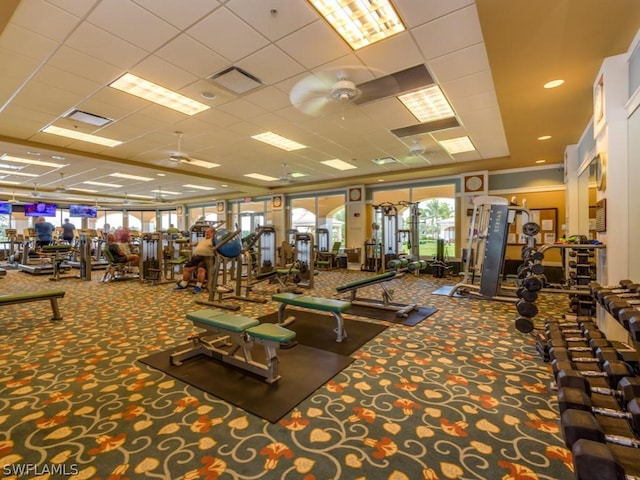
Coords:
198,262
68,230
118,255
44,231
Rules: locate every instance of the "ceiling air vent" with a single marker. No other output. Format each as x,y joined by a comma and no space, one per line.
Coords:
236,80
90,118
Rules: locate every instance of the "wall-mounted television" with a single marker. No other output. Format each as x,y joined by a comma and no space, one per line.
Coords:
83,211
5,208
40,210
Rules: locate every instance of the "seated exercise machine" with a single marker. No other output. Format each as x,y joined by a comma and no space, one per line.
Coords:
335,307
387,295
230,339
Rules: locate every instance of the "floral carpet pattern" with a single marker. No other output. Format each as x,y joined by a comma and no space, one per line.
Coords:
462,395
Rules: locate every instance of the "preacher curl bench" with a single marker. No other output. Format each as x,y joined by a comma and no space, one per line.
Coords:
230,339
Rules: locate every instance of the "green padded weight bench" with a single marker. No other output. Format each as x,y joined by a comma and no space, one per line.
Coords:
387,295
51,295
230,338
335,307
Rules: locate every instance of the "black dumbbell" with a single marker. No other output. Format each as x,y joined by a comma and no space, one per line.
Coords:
577,424
524,324
634,328
526,309
600,461
533,282
612,372
627,388
526,295
577,399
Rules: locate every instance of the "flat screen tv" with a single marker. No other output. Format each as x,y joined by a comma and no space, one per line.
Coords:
5,208
40,210
83,211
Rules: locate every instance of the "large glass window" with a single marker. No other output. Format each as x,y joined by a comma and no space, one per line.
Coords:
322,212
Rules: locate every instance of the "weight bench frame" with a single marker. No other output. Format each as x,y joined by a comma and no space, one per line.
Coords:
51,295
230,338
402,311
335,307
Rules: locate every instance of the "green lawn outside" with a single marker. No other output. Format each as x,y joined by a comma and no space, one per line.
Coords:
428,249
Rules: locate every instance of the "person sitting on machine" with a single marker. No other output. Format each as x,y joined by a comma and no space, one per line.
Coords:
118,255
198,262
44,230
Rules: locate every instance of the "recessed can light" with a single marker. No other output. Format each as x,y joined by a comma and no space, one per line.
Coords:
553,83
540,161
208,95
544,137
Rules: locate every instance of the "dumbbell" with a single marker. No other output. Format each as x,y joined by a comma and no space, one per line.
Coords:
577,424
612,372
527,295
526,309
634,328
577,399
600,461
533,282
627,388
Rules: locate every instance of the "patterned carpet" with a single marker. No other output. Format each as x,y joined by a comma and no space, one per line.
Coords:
462,395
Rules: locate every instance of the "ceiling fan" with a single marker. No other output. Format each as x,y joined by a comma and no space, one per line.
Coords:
286,178
35,193
14,200
62,187
312,94
180,157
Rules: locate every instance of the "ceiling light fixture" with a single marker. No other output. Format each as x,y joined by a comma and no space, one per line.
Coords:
338,164
428,104
544,137
360,23
198,187
130,177
142,88
457,145
278,141
384,160
17,174
541,161
101,184
85,137
163,192
553,83
29,161
259,176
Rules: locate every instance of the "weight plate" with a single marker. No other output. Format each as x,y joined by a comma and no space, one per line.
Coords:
530,229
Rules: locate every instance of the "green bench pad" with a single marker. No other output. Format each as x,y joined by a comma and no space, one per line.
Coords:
285,271
178,261
366,281
225,321
273,332
314,303
26,297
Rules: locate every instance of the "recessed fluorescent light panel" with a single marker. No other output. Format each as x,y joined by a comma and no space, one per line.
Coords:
360,23
100,184
85,137
130,177
428,104
297,174
457,145
18,174
338,164
259,176
28,161
162,192
142,88
201,163
198,187
384,160
10,183
276,140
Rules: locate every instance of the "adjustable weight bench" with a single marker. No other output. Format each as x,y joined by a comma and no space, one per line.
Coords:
335,307
233,339
51,295
387,295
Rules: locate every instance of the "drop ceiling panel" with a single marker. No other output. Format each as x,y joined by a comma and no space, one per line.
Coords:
217,29
83,65
383,57
44,18
416,13
105,47
176,13
469,85
54,77
132,23
289,16
270,65
447,34
46,98
163,73
79,8
468,61
186,53
26,43
314,45
389,113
